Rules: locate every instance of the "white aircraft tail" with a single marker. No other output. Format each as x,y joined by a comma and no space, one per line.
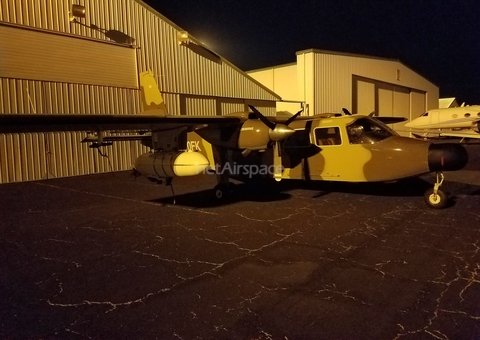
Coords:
152,99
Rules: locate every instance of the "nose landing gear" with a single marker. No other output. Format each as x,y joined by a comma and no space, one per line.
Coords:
434,197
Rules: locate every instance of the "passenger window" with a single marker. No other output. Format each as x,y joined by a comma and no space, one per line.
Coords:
328,136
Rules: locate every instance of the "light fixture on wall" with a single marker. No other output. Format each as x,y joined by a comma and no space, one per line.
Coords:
183,38
76,11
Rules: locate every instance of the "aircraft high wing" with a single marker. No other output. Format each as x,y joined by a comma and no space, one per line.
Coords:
19,123
166,135
349,148
461,121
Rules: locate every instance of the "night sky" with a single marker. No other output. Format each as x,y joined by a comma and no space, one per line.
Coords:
438,39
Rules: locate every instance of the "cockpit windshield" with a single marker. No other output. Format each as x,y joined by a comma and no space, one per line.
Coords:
368,131
425,114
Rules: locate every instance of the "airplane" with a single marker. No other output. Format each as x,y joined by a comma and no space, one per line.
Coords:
249,145
463,122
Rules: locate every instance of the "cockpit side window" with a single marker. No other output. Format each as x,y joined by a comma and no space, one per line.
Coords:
367,131
425,114
328,136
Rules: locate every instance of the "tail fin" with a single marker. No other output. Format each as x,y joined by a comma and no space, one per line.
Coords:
152,99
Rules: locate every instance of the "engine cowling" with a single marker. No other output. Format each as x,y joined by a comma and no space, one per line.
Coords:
254,135
171,164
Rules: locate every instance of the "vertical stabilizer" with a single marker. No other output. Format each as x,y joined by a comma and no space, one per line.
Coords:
152,99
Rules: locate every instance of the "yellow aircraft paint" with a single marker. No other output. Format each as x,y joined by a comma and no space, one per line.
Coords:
152,98
340,161
345,161
333,162
197,143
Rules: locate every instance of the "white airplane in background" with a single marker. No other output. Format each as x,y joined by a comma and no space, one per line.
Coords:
461,122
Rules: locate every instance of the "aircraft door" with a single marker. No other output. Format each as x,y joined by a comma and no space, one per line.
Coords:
339,158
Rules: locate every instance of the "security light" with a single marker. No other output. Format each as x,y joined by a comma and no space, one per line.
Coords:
183,38
77,11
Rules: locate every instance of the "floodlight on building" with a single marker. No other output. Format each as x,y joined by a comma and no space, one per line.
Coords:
183,38
76,11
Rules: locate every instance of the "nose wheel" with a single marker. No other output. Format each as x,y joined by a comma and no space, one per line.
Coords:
434,197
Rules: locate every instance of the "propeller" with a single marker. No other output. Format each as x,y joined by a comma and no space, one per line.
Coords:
292,118
306,165
277,132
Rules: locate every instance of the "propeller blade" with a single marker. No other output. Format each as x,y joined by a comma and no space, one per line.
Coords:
264,119
246,152
306,169
277,162
292,118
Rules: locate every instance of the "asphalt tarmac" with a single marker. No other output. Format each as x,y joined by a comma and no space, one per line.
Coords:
111,257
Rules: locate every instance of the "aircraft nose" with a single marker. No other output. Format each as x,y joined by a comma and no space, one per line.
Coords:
446,157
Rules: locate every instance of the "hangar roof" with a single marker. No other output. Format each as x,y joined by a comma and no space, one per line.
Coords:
197,42
346,54
354,55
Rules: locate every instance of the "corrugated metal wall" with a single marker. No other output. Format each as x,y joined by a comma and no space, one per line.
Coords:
37,156
60,58
179,72
332,88
329,81
177,68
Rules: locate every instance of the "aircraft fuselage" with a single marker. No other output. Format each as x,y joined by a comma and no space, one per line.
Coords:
347,148
448,118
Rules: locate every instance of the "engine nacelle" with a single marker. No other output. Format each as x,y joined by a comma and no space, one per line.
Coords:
171,164
254,135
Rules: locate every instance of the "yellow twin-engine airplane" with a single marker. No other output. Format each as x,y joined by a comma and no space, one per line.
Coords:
324,147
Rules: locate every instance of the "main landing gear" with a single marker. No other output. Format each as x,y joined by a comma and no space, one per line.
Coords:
223,190
434,197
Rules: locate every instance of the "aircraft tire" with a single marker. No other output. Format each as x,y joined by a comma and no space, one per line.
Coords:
219,192
438,201
223,190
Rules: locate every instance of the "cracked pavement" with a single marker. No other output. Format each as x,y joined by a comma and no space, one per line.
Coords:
110,256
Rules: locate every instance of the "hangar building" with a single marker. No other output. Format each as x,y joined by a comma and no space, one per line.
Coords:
329,81
56,57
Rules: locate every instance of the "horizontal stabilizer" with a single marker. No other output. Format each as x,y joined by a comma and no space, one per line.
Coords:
461,134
